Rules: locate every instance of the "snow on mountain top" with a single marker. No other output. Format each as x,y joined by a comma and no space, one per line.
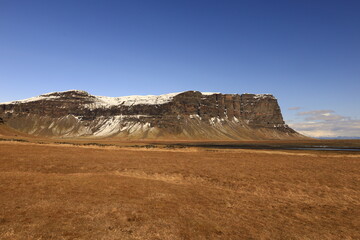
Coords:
134,100
102,101
260,96
32,99
46,96
266,95
140,99
67,91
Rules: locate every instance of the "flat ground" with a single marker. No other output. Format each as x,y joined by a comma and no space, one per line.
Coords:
62,191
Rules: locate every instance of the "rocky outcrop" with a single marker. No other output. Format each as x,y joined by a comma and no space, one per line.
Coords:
190,114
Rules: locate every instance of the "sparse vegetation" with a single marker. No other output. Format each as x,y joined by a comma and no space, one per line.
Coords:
69,191
13,139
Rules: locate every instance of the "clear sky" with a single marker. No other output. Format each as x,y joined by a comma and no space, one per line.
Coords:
306,53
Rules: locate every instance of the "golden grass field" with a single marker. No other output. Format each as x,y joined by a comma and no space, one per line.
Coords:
62,191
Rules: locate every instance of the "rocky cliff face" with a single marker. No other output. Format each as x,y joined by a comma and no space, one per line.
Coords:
188,115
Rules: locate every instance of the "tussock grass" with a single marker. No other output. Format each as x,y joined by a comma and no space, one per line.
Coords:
61,192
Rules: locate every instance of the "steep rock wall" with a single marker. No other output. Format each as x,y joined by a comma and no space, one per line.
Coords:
190,114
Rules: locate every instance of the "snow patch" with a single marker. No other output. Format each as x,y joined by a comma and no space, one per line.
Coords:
102,101
33,99
120,123
134,100
46,96
214,120
57,93
195,116
262,96
109,126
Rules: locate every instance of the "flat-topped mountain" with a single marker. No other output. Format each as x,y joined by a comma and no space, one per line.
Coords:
185,115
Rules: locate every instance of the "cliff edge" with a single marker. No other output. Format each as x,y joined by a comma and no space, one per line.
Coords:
185,115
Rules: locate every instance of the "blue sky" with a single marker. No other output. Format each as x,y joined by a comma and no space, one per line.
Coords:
306,53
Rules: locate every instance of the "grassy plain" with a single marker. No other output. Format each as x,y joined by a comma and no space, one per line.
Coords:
114,191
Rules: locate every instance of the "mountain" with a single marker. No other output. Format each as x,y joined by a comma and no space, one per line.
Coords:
185,115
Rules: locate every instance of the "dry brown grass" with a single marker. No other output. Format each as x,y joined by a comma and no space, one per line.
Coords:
50,191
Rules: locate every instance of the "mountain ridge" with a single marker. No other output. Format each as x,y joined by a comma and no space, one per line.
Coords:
188,115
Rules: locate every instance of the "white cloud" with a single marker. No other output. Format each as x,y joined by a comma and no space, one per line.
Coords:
325,115
326,123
